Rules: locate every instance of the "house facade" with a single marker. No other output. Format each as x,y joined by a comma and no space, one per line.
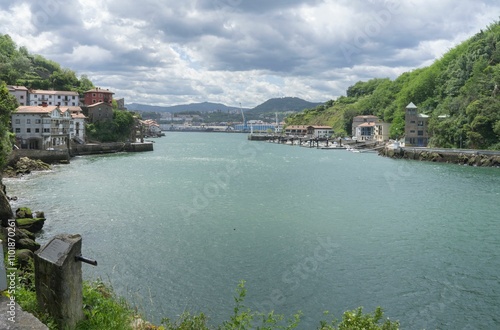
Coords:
42,127
100,111
416,127
319,131
296,130
53,98
20,93
370,128
98,95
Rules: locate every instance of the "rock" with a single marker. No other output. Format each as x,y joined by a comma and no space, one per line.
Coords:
29,244
27,233
24,212
24,257
33,225
5,209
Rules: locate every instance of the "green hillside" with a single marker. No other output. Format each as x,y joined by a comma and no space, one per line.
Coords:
19,67
463,84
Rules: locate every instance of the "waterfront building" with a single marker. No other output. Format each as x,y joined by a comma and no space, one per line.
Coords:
370,128
416,127
319,131
44,127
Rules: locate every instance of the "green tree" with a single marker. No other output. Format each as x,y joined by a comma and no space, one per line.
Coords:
8,105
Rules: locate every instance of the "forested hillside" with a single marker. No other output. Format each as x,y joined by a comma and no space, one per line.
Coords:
19,67
464,84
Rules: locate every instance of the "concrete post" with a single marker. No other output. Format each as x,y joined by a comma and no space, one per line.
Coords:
58,279
3,271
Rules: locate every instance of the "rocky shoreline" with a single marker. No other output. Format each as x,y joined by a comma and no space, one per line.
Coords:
483,158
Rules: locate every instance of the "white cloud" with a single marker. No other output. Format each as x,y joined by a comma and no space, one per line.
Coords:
169,52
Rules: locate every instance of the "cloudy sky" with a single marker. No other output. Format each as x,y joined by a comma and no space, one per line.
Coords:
167,52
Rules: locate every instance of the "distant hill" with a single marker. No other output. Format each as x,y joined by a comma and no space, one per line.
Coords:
272,105
282,104
201,107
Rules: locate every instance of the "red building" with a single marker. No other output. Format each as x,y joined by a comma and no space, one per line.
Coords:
97,95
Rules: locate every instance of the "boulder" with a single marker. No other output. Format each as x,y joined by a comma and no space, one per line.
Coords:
26,243
24,212
24,257
33,225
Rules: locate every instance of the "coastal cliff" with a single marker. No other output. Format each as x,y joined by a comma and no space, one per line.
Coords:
483,158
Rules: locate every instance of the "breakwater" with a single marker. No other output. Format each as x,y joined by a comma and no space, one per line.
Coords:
484,158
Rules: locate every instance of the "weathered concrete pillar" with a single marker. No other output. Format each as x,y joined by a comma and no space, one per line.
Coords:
3,271
58,279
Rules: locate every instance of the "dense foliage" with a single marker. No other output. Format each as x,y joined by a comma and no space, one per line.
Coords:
8,105
19,67
118,129
463,87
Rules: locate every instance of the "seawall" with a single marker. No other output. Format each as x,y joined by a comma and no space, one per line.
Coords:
64,155
106,148
484,158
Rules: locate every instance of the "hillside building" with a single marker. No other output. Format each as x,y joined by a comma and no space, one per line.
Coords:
98,95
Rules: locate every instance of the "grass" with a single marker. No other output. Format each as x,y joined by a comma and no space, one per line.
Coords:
104,310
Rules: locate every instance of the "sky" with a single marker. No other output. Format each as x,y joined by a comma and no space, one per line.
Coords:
169,52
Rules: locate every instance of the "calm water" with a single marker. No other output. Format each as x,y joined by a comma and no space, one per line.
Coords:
176,229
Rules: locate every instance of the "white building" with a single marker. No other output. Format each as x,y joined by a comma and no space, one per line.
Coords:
43,97
319,131
43,127
370,128
20,93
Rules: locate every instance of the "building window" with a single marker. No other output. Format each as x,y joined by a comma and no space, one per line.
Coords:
38,121
28,130
46,130
28,121
420,123
73,97
412,122
93,101
21,97
18,121
93,94
420,133
412,131
37,130
59,96
18,130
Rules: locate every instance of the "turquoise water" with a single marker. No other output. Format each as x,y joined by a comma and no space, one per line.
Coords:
176,229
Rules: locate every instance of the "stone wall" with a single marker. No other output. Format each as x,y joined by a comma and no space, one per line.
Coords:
103,148
456,156
47,156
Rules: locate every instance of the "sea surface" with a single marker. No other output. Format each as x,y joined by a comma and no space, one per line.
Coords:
176,229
